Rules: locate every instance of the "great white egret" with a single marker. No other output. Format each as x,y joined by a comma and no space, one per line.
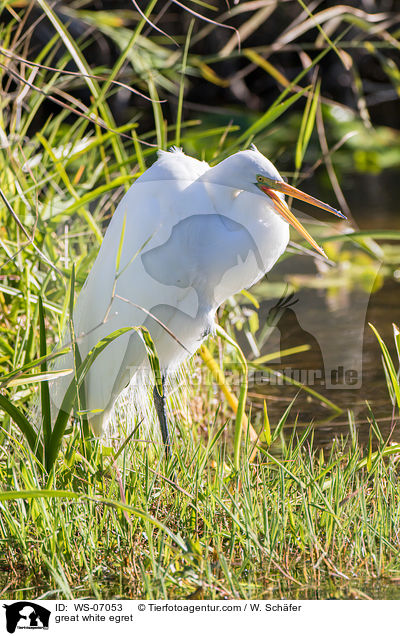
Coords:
182,240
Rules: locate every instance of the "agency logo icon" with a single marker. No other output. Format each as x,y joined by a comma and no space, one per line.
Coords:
26,615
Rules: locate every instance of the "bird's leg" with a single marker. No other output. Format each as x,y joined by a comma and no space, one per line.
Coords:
160,404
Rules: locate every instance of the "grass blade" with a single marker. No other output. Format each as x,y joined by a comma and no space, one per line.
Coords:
389,366
44,387
23,424
182,85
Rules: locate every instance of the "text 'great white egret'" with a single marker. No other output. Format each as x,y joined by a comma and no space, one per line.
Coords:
182,240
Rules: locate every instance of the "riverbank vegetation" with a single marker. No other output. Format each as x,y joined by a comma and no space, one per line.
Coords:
88,96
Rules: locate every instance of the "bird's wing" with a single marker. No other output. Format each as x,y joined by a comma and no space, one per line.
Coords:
144,216
112,296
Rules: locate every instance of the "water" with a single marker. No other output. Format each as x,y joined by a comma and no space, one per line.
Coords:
330,313
367,363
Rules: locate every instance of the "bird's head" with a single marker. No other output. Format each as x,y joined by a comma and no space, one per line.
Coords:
271,186
261,176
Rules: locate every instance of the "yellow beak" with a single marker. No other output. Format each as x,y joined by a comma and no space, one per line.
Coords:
283,209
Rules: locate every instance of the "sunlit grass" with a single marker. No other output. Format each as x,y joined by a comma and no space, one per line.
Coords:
221,519
294,523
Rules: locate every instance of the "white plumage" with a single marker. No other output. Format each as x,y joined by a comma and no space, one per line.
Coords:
192,236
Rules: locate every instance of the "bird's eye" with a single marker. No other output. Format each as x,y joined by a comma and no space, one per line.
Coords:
259,178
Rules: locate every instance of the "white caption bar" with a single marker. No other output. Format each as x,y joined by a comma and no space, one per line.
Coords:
170,618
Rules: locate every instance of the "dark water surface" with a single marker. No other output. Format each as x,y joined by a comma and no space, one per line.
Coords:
366,368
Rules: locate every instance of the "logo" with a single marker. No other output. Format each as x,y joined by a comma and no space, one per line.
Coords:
26,615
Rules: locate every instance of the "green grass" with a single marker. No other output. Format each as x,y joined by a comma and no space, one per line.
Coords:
298,523
78,517
117,520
